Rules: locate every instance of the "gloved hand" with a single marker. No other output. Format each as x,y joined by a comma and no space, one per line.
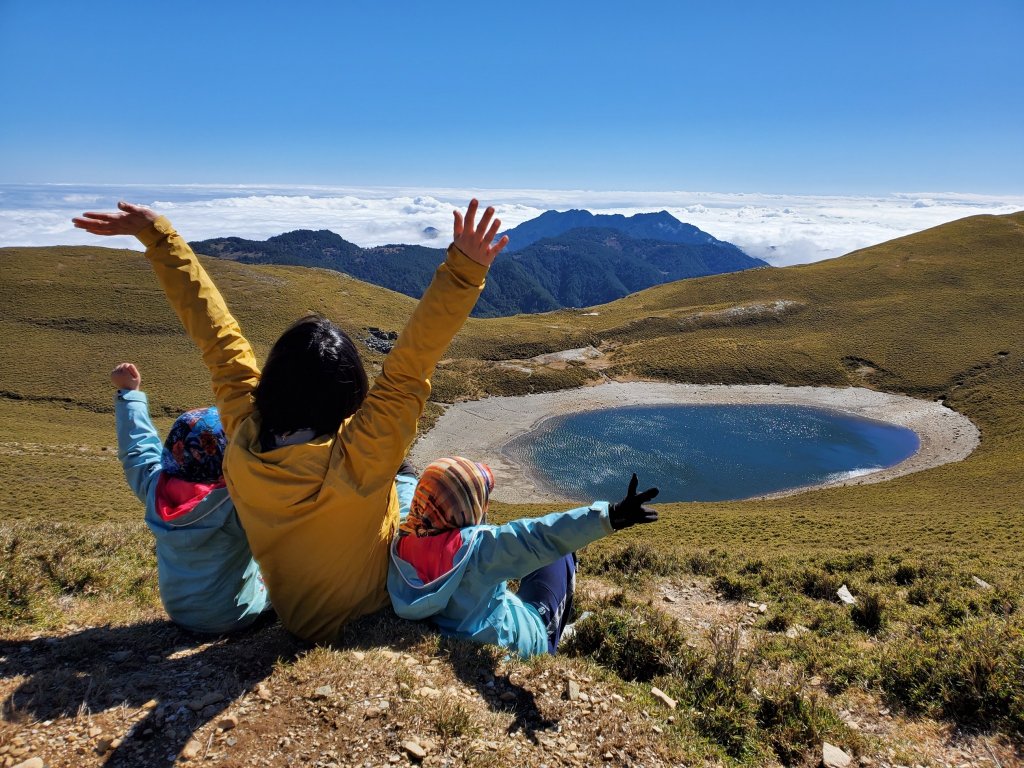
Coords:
631,510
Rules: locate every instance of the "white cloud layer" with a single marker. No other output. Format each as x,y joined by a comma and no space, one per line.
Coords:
782,229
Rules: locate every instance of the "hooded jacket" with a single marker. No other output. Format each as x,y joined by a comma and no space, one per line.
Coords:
470,598
319,515
209,581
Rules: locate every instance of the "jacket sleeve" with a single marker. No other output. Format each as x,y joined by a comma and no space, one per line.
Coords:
372,443
206,319
512,550
138,445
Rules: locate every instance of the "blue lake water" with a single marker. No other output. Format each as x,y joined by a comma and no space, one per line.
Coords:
706,452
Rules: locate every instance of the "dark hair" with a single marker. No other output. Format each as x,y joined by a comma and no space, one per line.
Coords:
313,378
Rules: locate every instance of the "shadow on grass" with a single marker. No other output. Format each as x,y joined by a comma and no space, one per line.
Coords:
105,668
170,682
475,665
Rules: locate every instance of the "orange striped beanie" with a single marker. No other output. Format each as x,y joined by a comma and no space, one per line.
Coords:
451,493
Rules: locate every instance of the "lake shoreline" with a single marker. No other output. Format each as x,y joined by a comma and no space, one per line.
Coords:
481,429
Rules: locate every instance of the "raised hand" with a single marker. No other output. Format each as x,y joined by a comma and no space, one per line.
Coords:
126,376
475,240
631,510
131,220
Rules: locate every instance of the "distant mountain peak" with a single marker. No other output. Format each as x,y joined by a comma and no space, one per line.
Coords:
657,225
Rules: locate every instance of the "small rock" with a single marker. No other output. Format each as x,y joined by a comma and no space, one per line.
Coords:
32,762
120,656
227,723
981,582
752,605
372,713
151,704
95,731
205,700
669,599
104,744
663,697
572,690
844,594
656,729
426,692
191,750
414,750
358,655
833,757
762,608
324,691
263,692
508,697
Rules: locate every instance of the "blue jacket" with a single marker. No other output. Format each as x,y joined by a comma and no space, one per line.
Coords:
471,599
209,581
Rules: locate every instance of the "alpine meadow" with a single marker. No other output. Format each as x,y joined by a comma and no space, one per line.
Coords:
727,610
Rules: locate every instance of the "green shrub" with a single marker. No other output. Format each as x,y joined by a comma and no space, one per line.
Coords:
700,564
795,724
634,560
973,675
850,561
869,612
922,593
639,643
736,587
451,719
779,621
818,584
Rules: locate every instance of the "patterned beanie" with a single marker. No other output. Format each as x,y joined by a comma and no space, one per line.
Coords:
451,493
194,449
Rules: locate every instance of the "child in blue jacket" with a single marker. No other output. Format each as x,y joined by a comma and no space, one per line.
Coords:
209,581
449,565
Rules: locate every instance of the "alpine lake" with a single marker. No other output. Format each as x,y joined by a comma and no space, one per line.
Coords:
706,452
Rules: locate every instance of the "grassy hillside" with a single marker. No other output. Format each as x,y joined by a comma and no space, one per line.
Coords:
938,314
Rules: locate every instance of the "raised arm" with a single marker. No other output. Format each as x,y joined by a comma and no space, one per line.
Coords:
512,550
372,444
138,445
517,548
195,300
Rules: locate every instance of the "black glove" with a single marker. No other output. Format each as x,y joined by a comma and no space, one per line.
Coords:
631,510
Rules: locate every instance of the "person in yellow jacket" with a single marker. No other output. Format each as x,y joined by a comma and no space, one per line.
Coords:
313,451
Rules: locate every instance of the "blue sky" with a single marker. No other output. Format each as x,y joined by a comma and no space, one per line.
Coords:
809,97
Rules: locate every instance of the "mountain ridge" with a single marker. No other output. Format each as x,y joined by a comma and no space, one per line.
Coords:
660,225
576,267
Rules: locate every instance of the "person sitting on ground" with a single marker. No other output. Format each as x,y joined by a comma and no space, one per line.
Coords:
313,450
450,566
209,581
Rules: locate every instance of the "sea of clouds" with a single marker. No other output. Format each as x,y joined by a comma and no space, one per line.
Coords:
782,229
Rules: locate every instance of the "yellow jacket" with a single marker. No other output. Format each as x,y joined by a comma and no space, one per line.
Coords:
320,515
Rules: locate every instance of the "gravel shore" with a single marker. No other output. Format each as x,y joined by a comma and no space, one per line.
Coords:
480,429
